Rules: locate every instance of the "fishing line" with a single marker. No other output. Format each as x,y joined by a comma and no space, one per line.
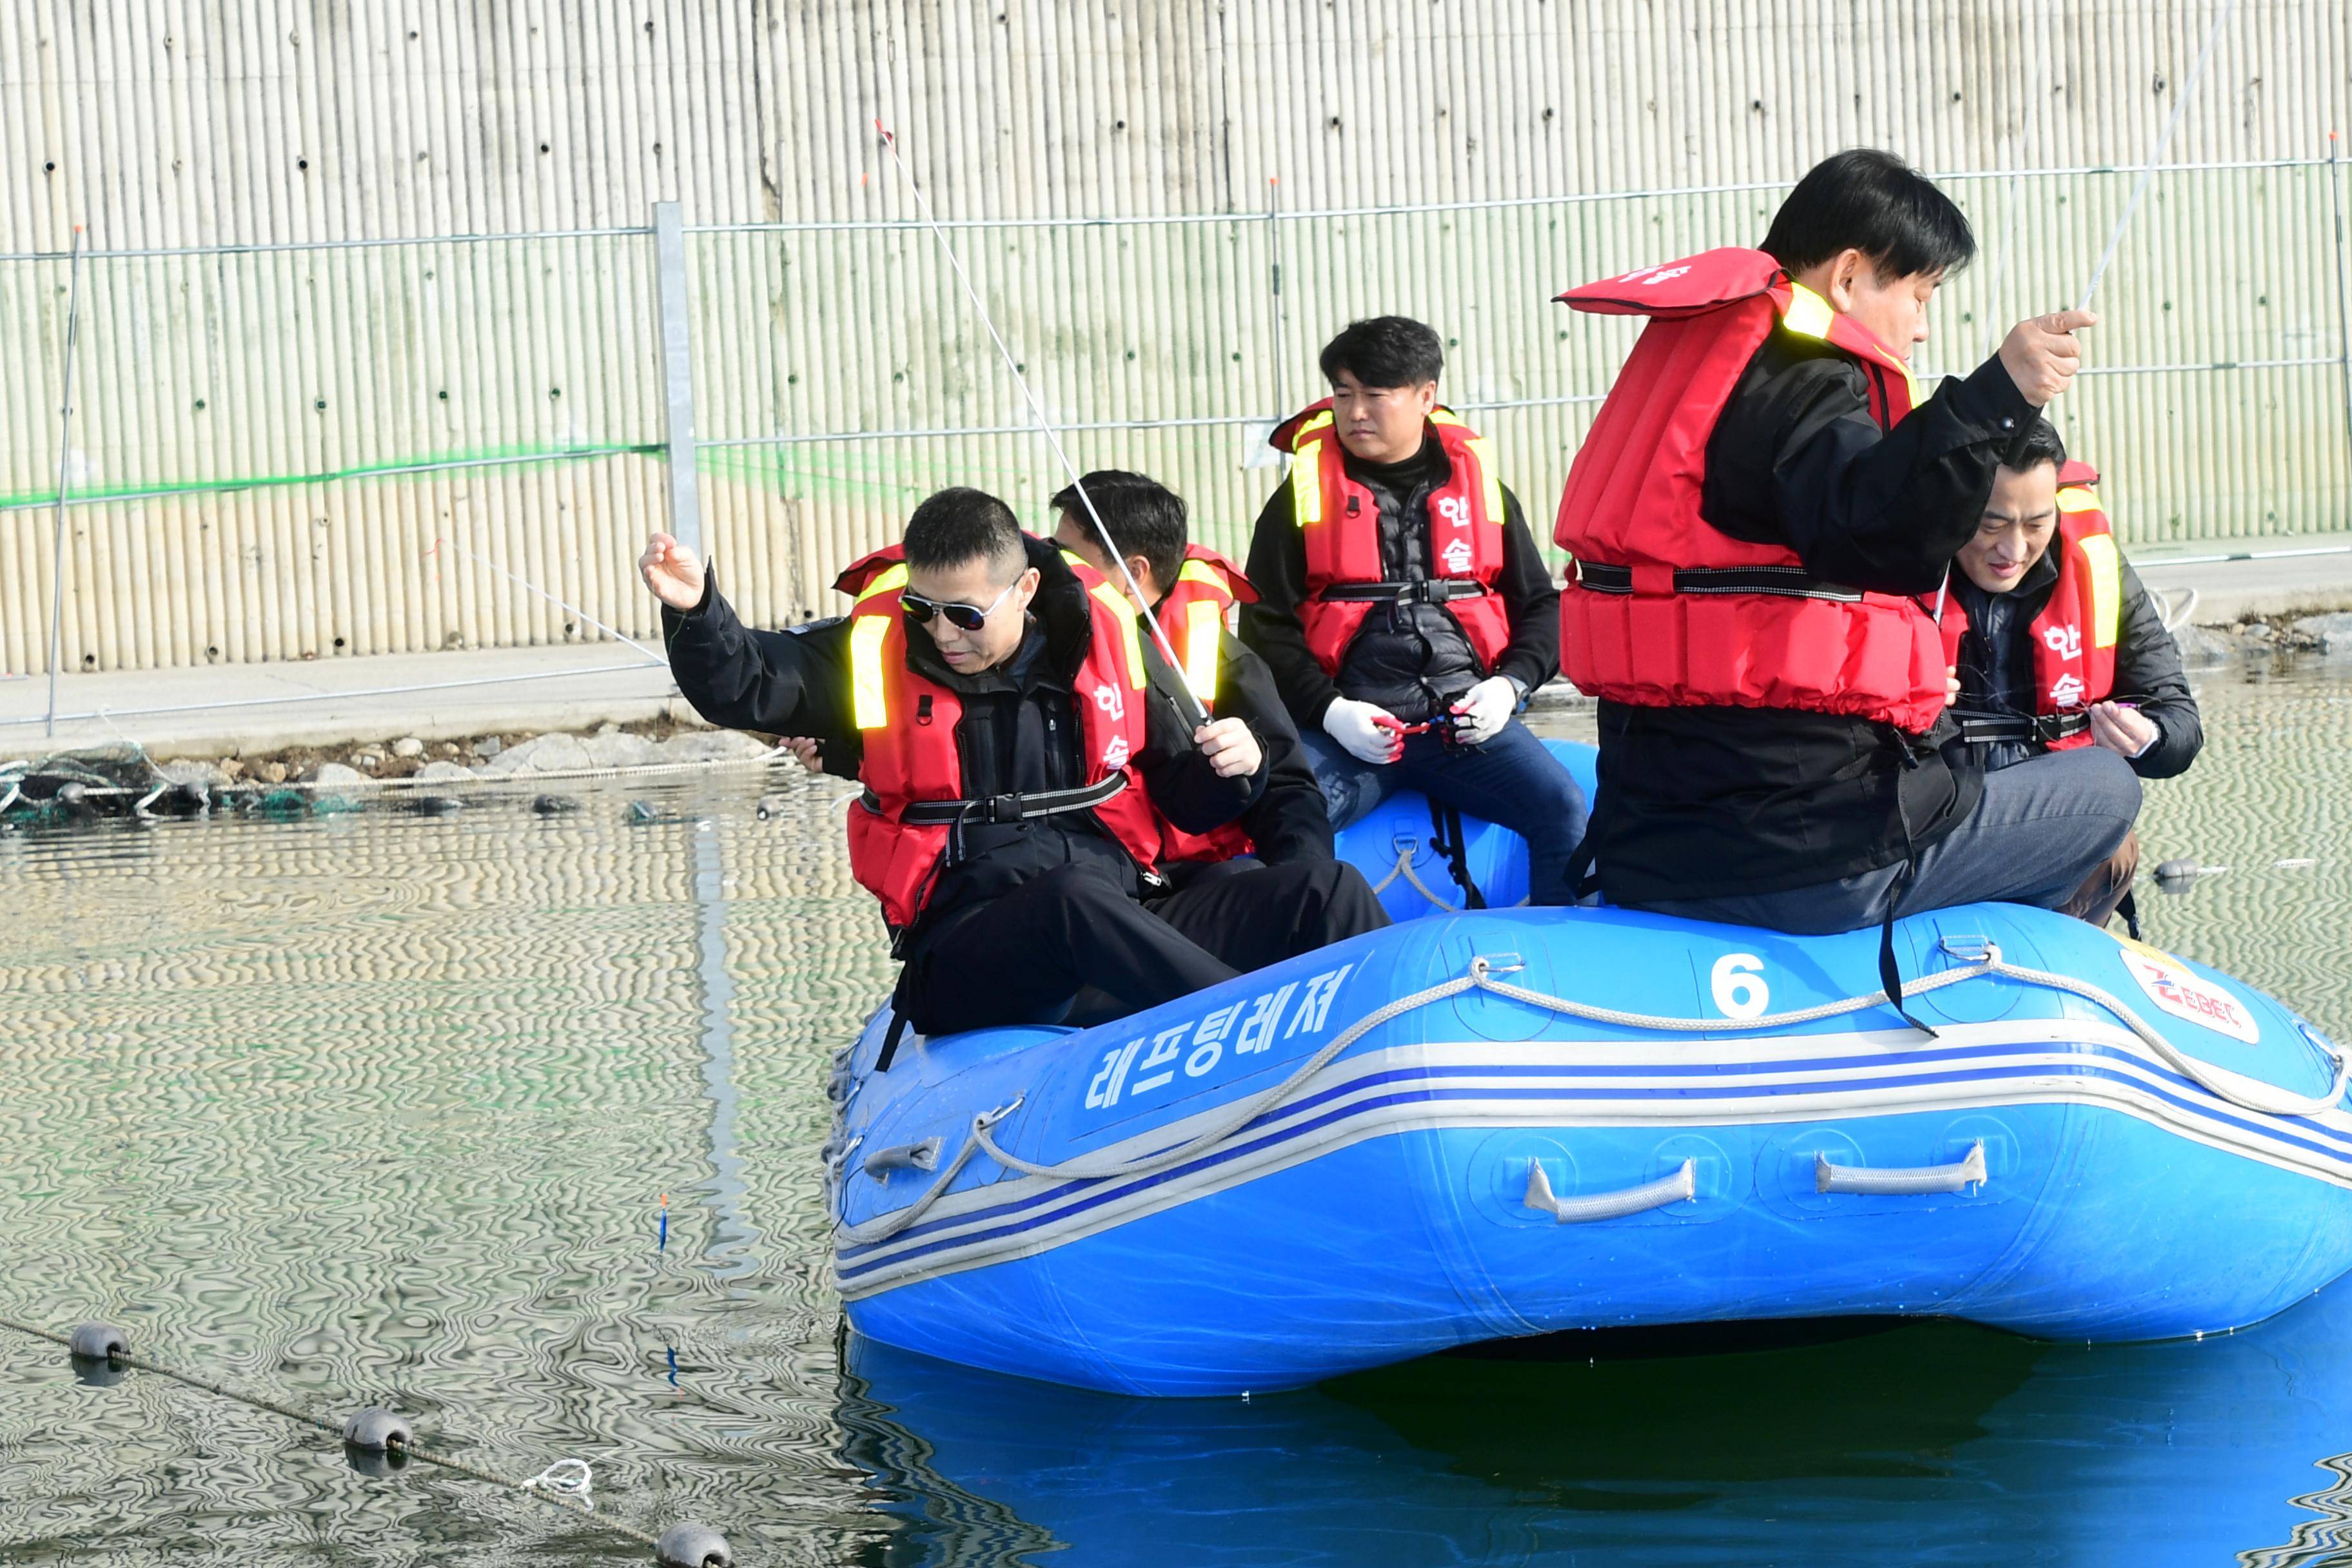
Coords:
1045,426
2148,170
2116,239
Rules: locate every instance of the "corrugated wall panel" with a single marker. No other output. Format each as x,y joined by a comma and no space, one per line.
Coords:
269,387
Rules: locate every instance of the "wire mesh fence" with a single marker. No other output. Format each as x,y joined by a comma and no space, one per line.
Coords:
281,452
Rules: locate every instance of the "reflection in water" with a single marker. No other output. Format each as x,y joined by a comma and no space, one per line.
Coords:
731,1233
1930,1442
376,1109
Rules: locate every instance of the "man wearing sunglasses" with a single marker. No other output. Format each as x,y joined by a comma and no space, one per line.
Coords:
1020,744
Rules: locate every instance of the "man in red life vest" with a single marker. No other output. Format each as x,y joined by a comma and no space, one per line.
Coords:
1760,517
1192,590
2056,645
1405,607
1021,745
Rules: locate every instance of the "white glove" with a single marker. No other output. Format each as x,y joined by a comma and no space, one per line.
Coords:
1484,708
1365,731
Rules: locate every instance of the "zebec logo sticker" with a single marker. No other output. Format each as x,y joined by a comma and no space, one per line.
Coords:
2185,995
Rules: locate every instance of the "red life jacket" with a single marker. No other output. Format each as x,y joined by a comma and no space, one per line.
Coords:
1666,610
2074,635
1341,521
900,830
1192,614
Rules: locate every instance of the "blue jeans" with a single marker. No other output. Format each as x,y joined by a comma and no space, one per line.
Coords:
1510,780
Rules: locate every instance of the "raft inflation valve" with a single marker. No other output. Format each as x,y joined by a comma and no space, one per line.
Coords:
688,1544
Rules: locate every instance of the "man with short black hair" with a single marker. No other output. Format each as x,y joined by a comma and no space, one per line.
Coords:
1020,744
1403,605
1759,514
1189,588
2055,644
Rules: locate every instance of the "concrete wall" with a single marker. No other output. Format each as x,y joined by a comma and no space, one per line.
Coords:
339,448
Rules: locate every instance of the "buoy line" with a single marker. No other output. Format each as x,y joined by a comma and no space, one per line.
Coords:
564,1484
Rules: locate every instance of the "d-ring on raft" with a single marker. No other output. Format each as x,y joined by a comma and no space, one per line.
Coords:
1483,1125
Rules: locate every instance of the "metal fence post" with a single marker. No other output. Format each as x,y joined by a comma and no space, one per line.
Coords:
677,376
1274,241
65,461
2343,292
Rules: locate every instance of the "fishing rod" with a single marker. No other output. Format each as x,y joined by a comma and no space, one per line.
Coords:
1046,427
2115,240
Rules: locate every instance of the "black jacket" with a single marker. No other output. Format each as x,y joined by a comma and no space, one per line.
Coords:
1412,659
1712,802
1019,732
1996,667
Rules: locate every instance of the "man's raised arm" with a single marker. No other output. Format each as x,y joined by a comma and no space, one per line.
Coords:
781,683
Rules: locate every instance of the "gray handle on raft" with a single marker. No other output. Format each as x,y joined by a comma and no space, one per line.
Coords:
1681,1187
922,1156
1956,1177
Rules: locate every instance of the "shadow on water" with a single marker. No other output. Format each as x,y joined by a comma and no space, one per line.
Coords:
1923,1442
1677,1411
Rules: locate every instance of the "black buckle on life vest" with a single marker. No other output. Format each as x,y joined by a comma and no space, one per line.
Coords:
1426,591
1987,729
1004,810
1784,582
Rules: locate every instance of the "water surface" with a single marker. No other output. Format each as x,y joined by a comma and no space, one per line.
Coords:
380,1108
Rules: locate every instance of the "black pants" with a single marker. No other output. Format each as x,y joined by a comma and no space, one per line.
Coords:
1020,959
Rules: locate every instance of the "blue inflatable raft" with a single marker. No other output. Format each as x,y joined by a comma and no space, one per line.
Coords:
1485,1124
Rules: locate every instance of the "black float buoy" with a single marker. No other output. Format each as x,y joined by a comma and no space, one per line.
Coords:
554,806
2176,876
376,1441
437,806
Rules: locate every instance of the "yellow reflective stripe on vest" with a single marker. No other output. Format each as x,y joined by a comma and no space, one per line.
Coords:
1121,610
2104,567
2078,498
1808,314
891,580
1202,572
1493,487
869,705
1307,485
1204,625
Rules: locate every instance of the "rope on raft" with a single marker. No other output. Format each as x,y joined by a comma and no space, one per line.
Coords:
2239,1089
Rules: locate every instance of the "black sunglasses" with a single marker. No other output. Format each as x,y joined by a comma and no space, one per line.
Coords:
967,617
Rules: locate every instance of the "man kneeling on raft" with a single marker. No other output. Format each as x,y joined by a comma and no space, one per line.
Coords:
2045,623
1020,744
1760,517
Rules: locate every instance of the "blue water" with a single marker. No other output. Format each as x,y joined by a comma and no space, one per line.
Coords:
381,1108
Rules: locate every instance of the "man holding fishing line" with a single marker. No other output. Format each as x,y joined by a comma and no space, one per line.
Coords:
1403,605
1190,589
1760,515
1020,744
2045,623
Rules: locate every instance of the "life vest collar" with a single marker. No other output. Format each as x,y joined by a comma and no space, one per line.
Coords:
1715,279
1317,416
